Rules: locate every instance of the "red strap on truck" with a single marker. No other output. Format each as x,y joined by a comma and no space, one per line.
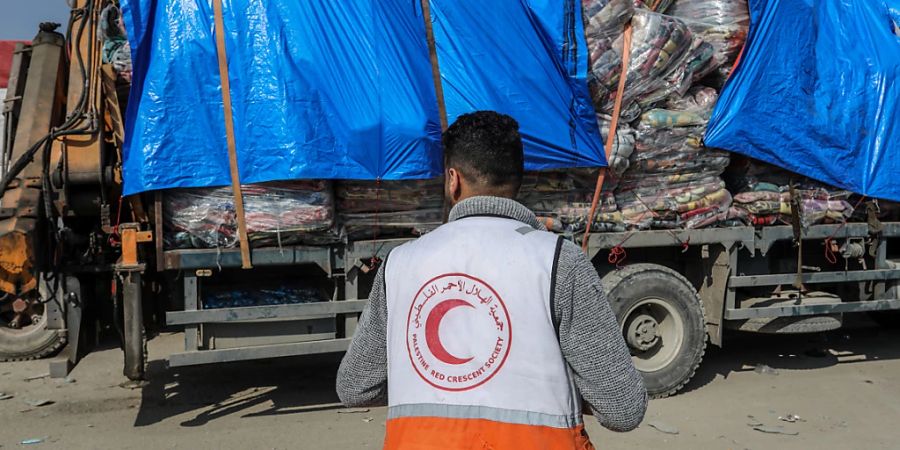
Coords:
611,136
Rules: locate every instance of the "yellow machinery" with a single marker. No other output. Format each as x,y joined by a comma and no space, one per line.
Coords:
65,231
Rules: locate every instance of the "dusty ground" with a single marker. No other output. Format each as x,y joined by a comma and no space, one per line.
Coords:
846,391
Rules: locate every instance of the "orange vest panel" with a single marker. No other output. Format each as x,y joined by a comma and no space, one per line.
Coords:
436,433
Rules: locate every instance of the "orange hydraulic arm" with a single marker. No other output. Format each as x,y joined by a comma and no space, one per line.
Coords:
40,108
56,160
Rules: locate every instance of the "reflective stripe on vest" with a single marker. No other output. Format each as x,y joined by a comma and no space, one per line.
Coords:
470,332
484,412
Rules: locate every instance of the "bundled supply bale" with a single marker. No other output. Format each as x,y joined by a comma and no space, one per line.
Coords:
562,201
686,205
673,181
390,224
660,173
604,22
763,196
371,196
722,23
284,213
373,209
714,12
670,179
666,57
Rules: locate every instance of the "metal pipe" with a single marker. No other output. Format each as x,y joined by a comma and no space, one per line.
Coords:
135,344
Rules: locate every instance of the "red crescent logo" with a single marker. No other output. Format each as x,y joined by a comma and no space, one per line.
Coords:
432,331
483,334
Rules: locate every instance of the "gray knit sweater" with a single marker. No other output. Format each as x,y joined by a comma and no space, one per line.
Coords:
589,335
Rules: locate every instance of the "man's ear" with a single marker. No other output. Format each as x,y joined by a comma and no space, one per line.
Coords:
454,185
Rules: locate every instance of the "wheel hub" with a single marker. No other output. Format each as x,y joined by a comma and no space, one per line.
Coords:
642,332
19,306
654,332
22,313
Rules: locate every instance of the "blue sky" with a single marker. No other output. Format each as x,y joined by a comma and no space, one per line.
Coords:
20,18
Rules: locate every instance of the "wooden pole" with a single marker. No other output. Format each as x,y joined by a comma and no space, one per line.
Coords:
435,67
229,136
436,78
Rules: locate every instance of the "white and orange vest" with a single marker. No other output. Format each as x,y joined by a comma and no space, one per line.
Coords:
473,354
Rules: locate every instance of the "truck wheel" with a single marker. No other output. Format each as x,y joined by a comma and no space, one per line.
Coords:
663,323
24,334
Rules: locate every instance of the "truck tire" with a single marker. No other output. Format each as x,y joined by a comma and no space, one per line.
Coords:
663,322
32,342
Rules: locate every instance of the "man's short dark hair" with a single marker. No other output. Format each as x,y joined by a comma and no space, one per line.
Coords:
485,146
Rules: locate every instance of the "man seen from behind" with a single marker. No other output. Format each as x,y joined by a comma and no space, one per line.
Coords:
490,332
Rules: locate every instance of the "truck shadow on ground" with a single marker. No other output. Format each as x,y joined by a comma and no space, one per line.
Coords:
298,385
770,355
268,387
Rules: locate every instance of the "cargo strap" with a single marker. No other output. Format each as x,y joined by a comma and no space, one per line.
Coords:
229,136
611,135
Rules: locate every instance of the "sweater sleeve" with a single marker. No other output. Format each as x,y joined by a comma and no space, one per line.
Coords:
362,376
593,346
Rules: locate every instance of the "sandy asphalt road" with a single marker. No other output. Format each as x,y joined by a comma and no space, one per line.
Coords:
844,386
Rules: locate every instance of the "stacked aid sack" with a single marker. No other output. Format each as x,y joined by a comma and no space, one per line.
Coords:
763,196
281,213
665,177
673,180
722,23
561,199
380,209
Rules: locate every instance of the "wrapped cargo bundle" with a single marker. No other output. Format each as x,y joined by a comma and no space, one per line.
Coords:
722,23
666,57
299,212
604,21
670,179
763,196
673,181
370,209
562,201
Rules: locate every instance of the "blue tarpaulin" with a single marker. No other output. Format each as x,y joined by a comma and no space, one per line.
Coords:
817,92
328,89
527,59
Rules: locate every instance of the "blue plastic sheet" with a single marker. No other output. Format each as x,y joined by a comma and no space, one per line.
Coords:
320,89
817,93
329,89
527,59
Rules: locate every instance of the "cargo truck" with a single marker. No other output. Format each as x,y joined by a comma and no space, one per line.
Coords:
72,249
